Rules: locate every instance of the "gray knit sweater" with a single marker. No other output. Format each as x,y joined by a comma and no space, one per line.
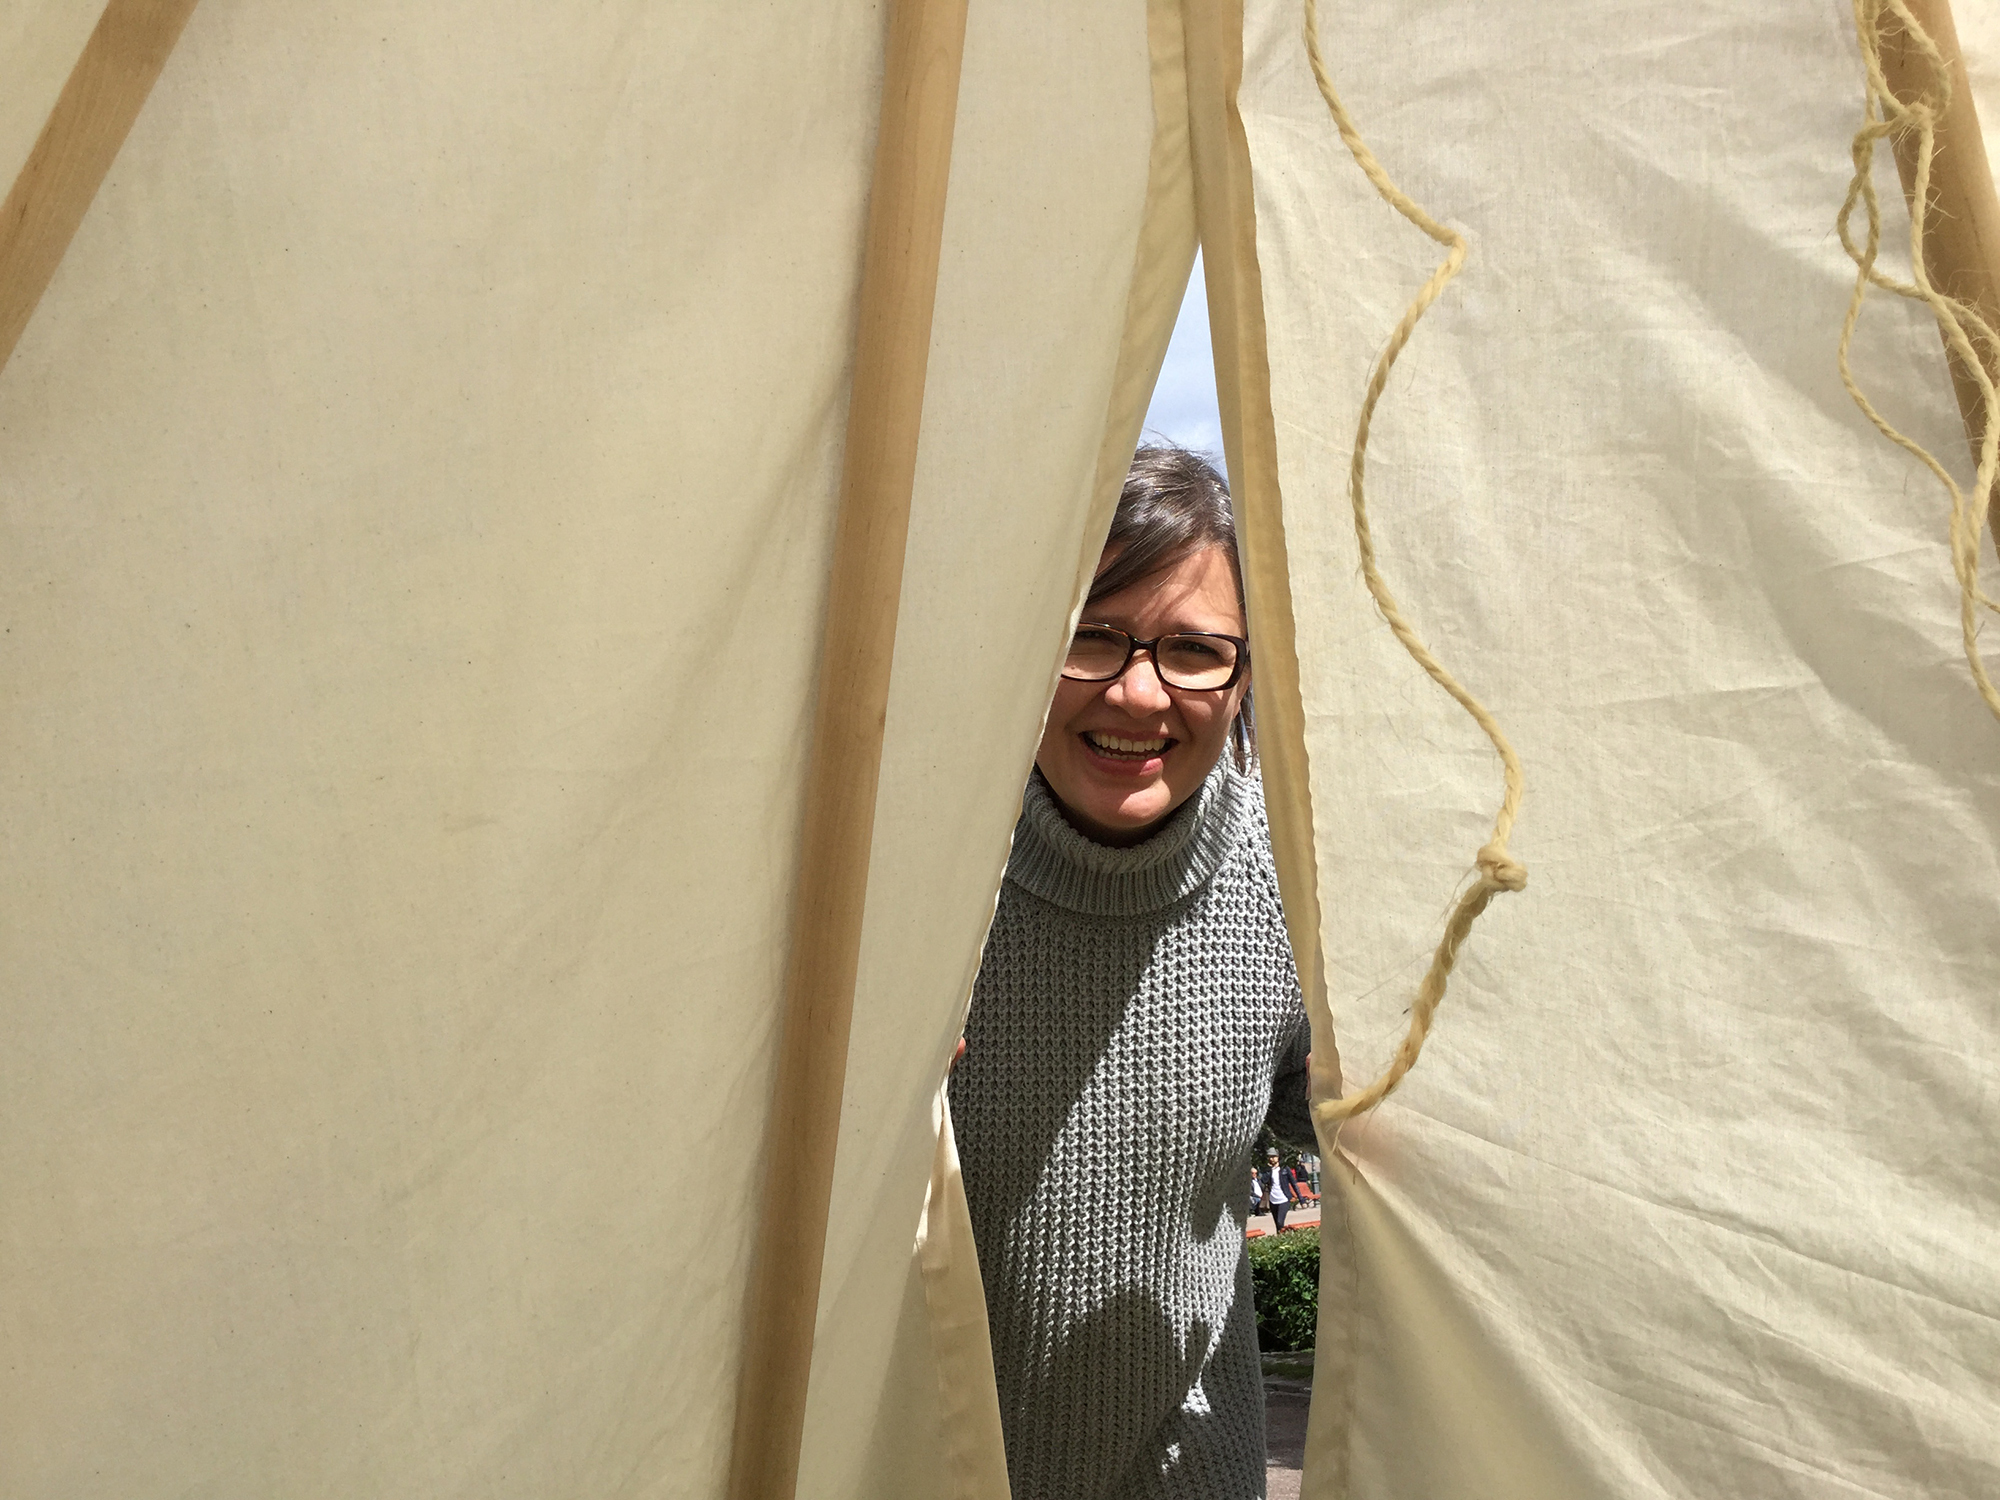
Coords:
1133,1009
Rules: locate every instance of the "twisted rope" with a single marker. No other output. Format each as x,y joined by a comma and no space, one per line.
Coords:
1498,870
1966,333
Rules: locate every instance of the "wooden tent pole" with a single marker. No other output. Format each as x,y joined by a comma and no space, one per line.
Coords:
106,89
905,227
1962,237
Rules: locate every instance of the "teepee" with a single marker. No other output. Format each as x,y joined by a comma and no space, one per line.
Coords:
537,544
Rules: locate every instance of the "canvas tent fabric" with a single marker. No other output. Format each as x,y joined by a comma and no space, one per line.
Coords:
1689,1193
419,476
418,481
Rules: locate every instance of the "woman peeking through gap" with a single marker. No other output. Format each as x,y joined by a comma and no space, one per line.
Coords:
1136,1021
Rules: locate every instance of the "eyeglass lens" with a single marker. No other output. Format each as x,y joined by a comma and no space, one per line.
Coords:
1098,653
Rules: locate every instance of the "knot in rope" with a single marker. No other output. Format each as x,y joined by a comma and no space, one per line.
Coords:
1501,868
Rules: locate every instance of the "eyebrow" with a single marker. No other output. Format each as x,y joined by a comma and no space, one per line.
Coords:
1124,622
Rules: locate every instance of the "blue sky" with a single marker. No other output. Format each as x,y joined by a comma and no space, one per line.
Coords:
1183,408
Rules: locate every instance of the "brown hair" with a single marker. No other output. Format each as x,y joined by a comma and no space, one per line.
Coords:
1174,503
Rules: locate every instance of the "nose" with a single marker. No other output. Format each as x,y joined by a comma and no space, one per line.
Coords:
1138,689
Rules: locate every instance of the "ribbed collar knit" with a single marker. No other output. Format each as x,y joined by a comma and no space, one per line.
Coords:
1052,860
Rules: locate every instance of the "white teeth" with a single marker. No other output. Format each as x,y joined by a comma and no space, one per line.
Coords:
1114,744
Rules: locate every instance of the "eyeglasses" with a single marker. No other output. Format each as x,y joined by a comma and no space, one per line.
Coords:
1199,661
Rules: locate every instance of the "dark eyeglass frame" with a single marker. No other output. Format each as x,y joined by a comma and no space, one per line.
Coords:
1133,646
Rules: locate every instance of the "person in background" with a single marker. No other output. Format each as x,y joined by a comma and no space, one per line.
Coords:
1271,1187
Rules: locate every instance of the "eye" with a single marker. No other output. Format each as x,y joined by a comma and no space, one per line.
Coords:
1096,654
1198,650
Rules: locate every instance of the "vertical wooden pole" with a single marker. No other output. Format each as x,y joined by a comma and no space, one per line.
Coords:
926,40
1962,237
106,89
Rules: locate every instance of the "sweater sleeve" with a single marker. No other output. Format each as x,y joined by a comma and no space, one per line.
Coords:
1290,1118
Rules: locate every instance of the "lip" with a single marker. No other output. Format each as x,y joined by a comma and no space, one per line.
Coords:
1120,766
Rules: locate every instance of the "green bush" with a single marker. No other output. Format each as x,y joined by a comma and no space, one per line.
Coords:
1284,1274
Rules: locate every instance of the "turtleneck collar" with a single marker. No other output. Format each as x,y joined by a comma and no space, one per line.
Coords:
1052,860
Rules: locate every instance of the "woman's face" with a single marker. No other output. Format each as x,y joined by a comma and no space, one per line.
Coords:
1118,795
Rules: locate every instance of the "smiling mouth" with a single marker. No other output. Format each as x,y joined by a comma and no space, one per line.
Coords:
1123,749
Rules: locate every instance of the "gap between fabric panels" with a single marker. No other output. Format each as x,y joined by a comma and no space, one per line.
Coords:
1226,210
945,1256
1197,189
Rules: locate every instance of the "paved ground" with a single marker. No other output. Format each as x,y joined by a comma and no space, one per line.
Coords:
1285,1405
1287,1394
